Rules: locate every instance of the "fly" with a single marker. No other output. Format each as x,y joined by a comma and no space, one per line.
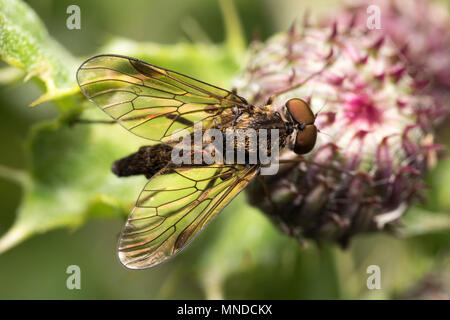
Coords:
164,106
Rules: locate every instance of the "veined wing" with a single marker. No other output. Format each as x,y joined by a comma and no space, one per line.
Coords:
153,102
174,206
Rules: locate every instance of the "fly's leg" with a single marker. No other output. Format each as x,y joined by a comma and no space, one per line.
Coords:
299,159
87,121
267,192
237,113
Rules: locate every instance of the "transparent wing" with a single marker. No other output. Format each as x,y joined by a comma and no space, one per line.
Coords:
174,207
152,102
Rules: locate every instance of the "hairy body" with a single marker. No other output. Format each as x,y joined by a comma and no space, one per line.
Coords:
148,160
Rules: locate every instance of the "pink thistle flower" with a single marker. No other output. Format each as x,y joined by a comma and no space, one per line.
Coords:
420,29
368,166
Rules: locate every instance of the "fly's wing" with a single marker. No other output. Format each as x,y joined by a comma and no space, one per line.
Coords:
173,208
152,102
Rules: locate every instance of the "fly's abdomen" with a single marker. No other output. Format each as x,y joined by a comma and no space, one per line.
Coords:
148,160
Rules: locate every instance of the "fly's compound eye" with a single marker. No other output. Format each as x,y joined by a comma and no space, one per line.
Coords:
306,139
300,111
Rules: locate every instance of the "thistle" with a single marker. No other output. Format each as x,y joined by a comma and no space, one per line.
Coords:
421,31
376,139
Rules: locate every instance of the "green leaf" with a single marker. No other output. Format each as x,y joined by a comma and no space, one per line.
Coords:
419,221
255,239
433,216
70,180
25,44
437,194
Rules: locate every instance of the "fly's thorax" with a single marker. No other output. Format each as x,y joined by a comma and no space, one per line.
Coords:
269,127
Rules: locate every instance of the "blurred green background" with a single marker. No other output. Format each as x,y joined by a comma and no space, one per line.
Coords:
240,255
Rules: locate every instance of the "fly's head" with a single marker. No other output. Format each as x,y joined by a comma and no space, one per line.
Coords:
300,124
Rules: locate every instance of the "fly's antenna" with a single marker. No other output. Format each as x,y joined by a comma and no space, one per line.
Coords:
317,113
328,135
321,108
322,132
300,159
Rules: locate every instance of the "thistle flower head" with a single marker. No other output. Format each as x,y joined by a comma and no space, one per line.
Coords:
377,131
421,31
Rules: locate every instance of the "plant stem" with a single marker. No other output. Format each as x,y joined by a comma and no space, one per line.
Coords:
15,175
234,33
